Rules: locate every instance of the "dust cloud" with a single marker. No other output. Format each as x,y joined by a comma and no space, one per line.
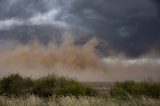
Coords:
37,59
77,61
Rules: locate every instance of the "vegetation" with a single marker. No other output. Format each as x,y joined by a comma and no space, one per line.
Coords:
146,88
16,85
74,101
52,90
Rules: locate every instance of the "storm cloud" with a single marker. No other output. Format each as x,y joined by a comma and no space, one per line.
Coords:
127,26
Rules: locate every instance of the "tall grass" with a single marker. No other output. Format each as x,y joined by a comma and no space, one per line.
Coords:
76,101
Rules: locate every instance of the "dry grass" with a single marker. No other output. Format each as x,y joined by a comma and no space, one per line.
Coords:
73,101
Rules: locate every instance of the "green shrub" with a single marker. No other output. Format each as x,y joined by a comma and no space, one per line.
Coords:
154,90
91,92
122,89
119,92
70,88
43,86
74,88
15,85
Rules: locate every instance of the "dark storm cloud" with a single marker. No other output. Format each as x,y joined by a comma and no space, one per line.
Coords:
31,12
158,5
21,8
130,26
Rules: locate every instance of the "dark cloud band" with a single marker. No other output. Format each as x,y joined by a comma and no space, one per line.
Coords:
130,26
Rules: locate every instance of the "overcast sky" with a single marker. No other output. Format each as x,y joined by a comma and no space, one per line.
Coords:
129,26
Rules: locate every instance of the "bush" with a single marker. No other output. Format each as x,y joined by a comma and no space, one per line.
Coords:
74,88
15,85
154,90
70,88
43,86
122,89
91,92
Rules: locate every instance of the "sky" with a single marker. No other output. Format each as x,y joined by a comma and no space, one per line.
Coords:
128,30
128,26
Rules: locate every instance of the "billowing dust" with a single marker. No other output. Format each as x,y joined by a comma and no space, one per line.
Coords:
78,61
36,58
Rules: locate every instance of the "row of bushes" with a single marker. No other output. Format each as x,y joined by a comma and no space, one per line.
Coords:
146,88
16,85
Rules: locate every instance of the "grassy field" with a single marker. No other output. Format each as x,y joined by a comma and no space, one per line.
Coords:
77,101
